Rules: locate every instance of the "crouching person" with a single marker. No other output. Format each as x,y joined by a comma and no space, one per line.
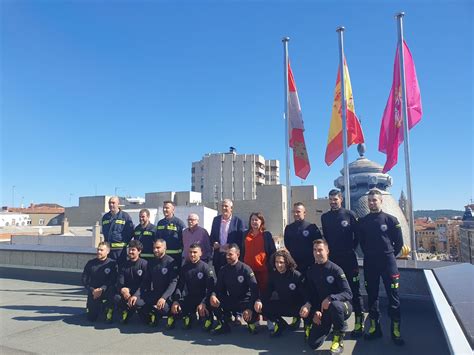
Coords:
130,278
195,285
285,294
236,291
99,277
158,286
329,303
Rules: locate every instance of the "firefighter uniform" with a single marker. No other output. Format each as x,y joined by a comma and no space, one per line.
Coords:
171,231
285,295
299,237
160,282
195,285
100,274
147,237
339,230
117,230
381,240
237,291
131,276
328,281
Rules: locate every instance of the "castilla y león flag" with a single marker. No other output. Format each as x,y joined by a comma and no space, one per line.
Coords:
354,131
391,130
296,129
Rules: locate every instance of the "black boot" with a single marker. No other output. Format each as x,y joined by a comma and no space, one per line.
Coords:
375,331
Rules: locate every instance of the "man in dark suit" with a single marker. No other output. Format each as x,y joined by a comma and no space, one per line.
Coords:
226,229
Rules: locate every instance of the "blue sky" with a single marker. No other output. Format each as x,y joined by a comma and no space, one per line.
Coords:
98,95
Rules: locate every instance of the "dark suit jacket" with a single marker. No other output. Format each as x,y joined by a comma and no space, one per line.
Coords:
236,229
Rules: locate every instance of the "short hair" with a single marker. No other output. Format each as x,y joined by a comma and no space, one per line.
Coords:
374,192
259,215
285,254
103,244
195,245
136,244
335,192
228,201
144,210
234,246
168,202
194,215
320,241
298,204
114,198
160,240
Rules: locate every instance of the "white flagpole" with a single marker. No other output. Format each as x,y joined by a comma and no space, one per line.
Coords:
406,143
285,41
347,187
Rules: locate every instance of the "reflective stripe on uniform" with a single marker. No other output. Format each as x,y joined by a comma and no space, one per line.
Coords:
118,245
147,233
119,221
143,255
107,221
174,251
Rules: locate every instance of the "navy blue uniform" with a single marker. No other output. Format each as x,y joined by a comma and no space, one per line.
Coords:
339,230
328,281
381,239
195,285
160,282
99,274
236,290
147,237
117,230
171,231
285,295
131,276
299,237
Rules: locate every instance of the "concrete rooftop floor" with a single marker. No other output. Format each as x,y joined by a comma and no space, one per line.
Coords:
48,318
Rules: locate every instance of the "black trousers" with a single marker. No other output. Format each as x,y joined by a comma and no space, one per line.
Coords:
96,306
348,263
335,316
275,309
146,305
122,305
119,255
231,305
385,267
189,305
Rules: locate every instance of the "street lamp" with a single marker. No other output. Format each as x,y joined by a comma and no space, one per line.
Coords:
13,196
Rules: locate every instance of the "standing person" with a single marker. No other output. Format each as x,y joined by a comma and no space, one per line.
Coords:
117,228
158,286
226,228
170,229
285,294
236,291
197,234
130,277
256,249
145,233
299,237
381,239
329,302
339,230
195,284
99,278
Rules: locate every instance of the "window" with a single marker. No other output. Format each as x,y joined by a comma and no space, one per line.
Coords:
41,222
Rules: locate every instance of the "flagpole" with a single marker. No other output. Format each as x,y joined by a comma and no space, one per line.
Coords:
406,142
347,188
285,41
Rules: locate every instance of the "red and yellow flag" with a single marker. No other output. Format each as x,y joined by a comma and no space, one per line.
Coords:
354,131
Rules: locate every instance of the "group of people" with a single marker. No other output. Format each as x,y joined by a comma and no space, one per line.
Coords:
172,272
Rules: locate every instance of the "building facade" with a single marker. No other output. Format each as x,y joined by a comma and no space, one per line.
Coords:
466,234
231,175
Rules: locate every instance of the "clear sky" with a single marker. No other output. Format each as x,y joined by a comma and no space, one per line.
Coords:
99,95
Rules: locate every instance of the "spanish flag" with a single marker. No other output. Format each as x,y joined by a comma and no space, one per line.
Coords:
354,131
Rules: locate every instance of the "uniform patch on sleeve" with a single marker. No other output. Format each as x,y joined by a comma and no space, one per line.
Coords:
343,276
398,226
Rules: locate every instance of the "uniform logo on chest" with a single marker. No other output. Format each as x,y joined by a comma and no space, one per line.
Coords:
164,271
292,286
139,272
107,271
383,227
344,223
200,275
240,279
305,233
330,279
